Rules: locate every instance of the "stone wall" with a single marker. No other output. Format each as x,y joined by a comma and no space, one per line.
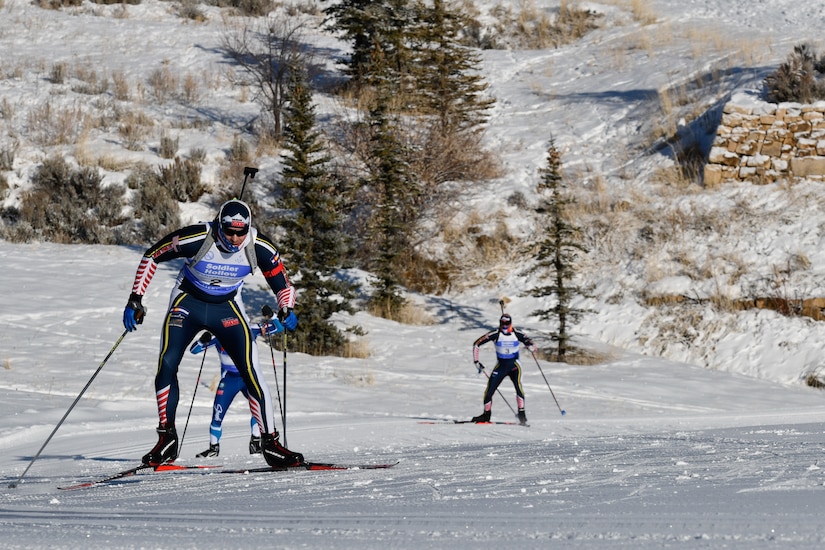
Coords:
763,142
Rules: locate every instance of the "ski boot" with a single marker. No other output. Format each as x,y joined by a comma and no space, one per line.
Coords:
166,449
522,418
213,450
276,455
255,445
483,417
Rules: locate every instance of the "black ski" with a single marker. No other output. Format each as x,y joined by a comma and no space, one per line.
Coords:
312,466
113,477
131,472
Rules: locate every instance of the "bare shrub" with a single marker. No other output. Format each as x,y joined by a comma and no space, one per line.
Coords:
191,89
198,155
7,152
182,179
134,128
6,109
238,151
69,205
153,205
48,125
458,156
163,84
190,9
88,81
121,86
168,146
57,74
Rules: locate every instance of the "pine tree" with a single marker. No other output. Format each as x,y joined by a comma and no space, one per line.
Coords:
449,83
315,242
558,253
370,26
392,215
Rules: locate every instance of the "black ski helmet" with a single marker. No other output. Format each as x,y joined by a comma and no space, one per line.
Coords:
505,323
235,216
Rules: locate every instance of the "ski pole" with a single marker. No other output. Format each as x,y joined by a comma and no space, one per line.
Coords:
86,387
498,390
268,314
204,340
562,411
284,419
247,171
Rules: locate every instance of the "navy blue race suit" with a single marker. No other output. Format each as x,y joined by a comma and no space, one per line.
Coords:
207,298
507,364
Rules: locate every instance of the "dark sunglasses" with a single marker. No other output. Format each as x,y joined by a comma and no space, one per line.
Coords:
236,232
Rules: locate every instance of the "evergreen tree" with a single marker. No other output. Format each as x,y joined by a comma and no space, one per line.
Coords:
370,26
391,215
449,83
314,240
414,50
558,252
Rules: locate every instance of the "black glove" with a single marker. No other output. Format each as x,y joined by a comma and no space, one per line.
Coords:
134,312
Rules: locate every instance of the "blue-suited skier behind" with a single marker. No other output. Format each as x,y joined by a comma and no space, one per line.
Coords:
218,256
230,385
507,339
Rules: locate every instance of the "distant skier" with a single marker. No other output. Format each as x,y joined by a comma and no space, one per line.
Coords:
218,256
230,385
507,339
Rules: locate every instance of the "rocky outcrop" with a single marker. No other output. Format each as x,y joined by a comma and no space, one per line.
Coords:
763,142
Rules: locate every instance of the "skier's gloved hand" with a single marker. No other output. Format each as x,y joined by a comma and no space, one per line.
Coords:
479,366
273,326
202,343
134,312
288,318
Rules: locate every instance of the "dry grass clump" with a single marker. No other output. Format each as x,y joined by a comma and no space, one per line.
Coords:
356,349
531,27
134,128
575,355
50,125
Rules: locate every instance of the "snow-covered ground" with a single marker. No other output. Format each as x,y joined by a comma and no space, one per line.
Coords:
716,447
650,454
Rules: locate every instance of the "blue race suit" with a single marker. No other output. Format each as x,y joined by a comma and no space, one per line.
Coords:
230,385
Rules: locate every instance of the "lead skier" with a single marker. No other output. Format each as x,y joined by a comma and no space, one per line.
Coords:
219,255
